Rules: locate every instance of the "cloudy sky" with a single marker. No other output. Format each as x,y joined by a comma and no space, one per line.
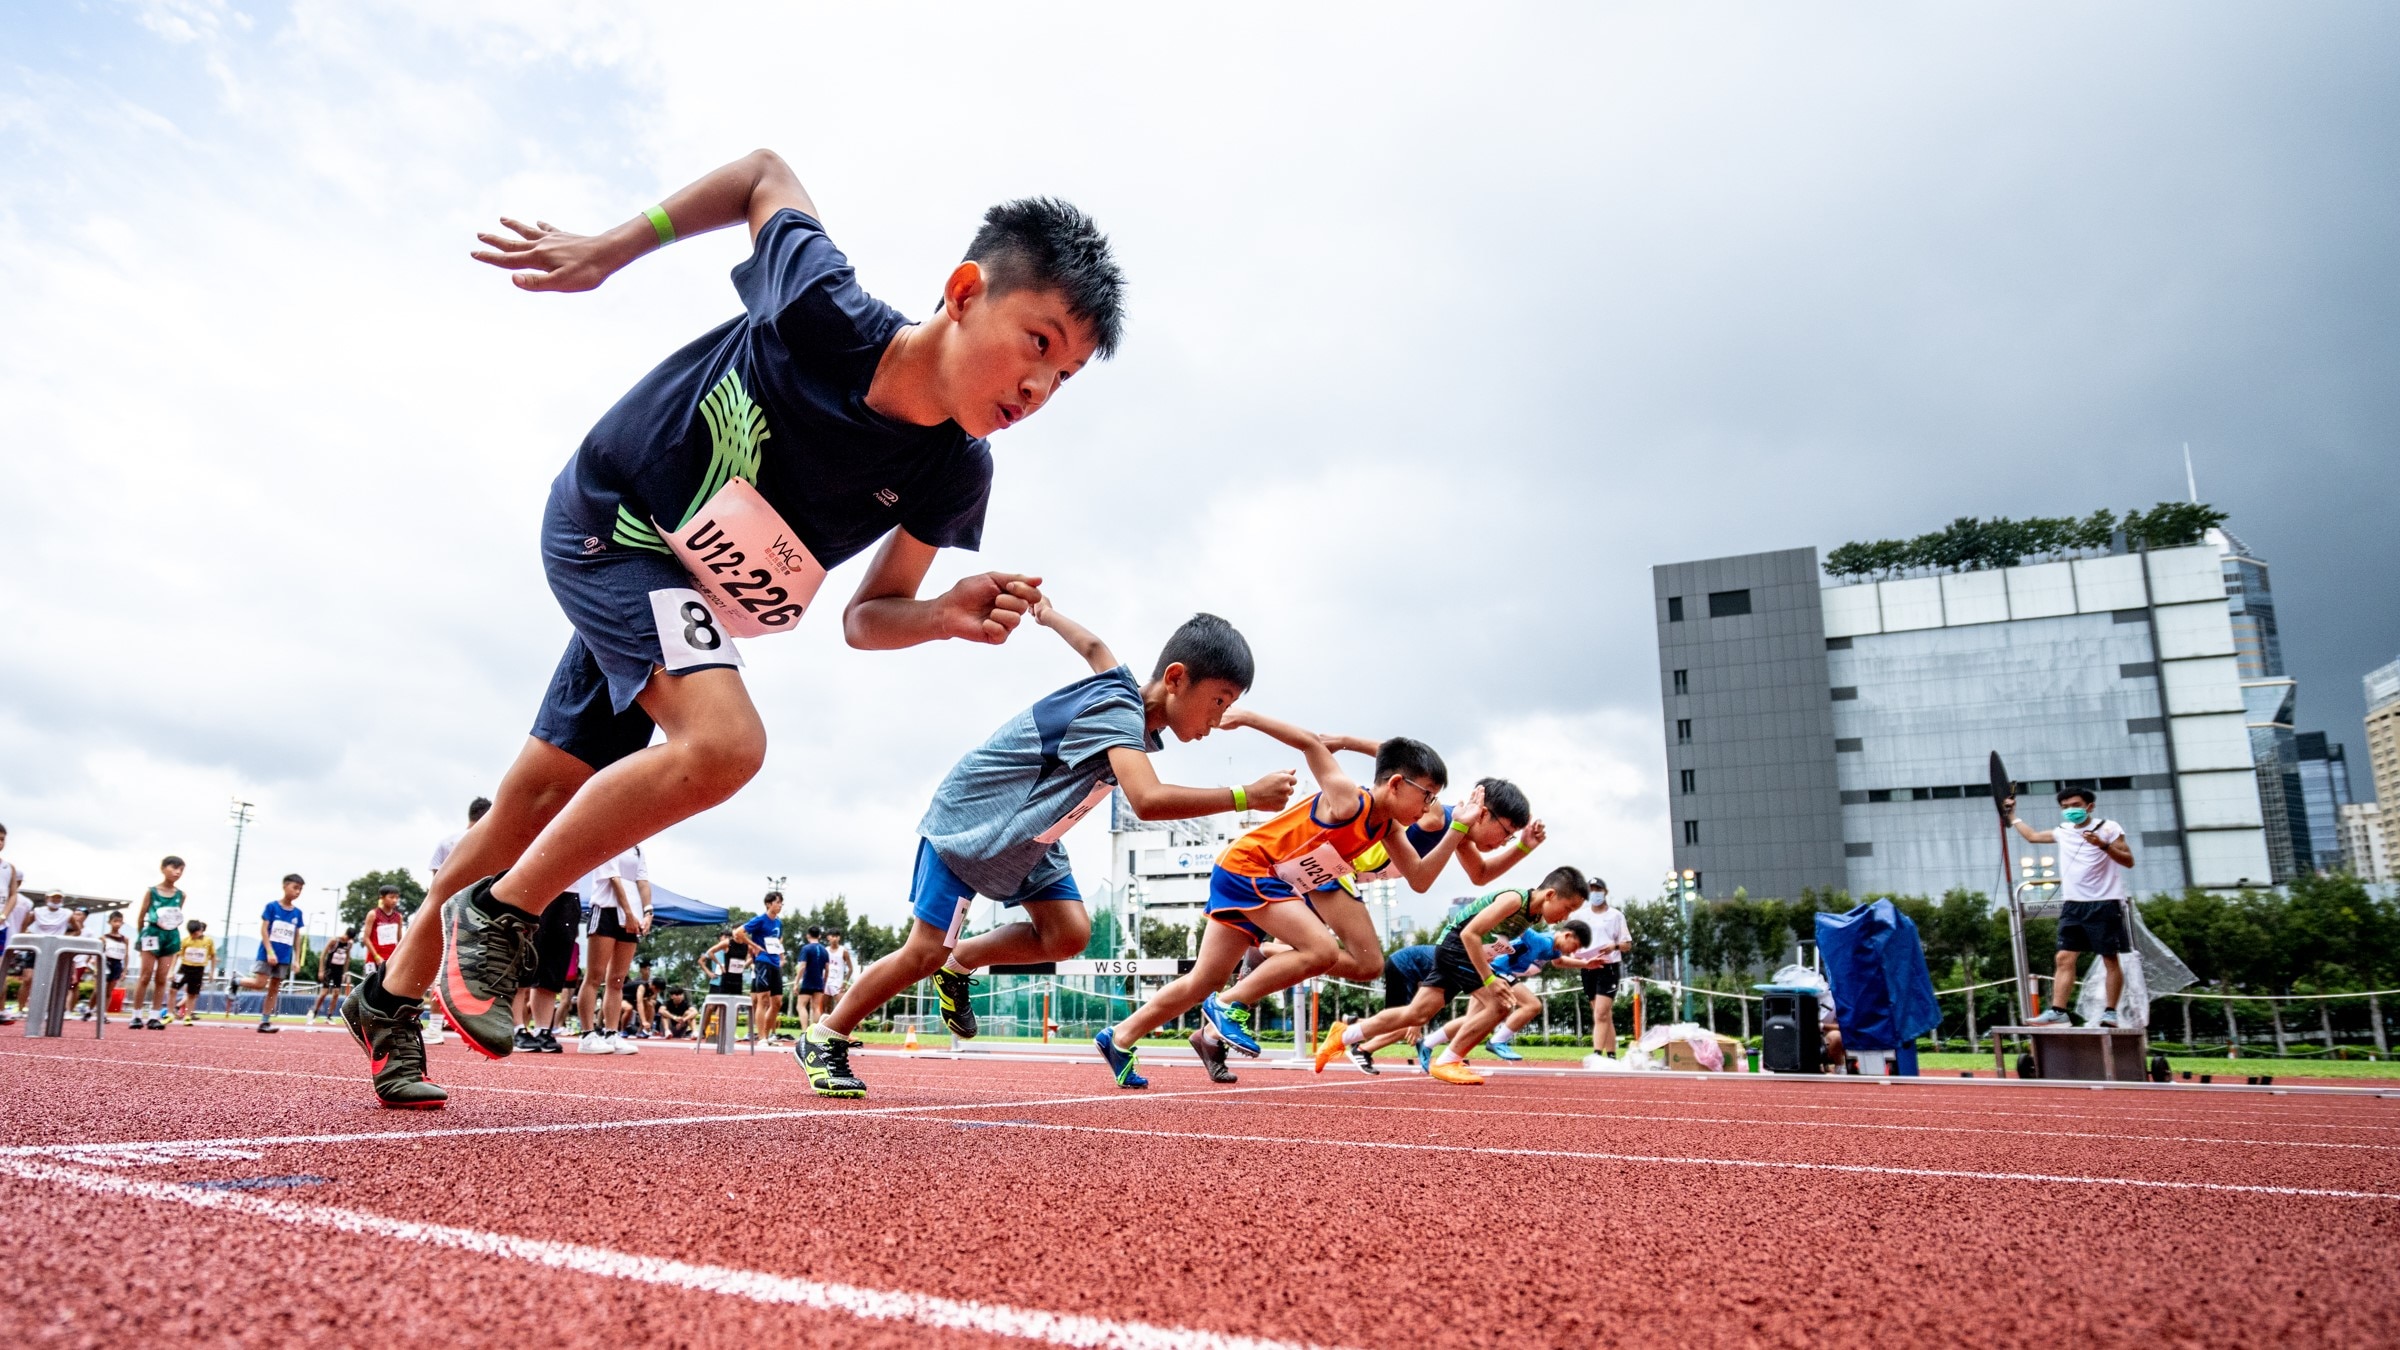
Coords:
1445,328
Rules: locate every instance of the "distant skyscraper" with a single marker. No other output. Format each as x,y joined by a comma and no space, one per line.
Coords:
2366,851
2383,729
2325,784
2268,698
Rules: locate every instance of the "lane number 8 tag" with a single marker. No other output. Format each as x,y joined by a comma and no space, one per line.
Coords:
688,631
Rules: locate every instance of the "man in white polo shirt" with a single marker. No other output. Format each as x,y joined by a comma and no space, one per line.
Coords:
2093,859
1611,939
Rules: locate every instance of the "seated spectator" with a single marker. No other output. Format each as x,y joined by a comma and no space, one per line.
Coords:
676,1013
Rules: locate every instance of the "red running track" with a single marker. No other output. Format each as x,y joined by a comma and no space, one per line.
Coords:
215,1185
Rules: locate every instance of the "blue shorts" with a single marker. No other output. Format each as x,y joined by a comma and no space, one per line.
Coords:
938,898
1232,896
633,611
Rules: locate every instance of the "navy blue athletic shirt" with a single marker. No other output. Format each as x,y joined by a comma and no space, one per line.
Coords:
779,396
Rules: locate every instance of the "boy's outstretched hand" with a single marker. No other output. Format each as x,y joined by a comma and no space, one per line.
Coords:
544,257
988,606
1273,791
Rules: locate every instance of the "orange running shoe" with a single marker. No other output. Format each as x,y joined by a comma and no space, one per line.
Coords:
1331,1047
1457,1072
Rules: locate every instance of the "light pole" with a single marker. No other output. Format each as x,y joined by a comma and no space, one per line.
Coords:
233,877
1687,887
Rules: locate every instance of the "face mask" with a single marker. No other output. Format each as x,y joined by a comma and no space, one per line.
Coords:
2076,815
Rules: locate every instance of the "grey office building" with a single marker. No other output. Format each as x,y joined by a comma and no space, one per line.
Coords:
1837,738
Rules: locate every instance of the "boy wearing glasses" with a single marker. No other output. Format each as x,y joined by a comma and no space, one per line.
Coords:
1267,885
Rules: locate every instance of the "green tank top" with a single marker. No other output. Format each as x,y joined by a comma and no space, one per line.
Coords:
165,912
1514,926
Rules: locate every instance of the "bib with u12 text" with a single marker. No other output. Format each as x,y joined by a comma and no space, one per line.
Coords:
1321,866
756,575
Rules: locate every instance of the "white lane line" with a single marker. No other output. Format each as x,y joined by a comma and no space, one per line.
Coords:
642,1123
1671,1160
1979,1131
1865,1106
889,1305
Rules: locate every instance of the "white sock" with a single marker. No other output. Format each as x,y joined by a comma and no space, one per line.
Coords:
1504,1035
1449,1056
1353,1035
1439,1035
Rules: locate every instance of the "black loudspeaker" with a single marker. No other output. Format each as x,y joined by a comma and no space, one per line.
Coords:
1793,1042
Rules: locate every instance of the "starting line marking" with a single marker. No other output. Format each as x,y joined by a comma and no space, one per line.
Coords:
1763,1164
998,1319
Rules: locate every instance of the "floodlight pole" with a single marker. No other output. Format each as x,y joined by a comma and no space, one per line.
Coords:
233,878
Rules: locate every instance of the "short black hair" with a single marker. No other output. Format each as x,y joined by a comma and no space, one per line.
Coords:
1399,754
1046,243
1567,881
772,897
815,932
170,861
1208,648
1506,800
351,931
294,879
476,808
2090,798
387,888
1581,930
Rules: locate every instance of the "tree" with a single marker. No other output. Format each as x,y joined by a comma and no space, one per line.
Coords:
359,896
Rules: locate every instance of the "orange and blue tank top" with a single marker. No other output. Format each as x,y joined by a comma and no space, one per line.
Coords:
1297,833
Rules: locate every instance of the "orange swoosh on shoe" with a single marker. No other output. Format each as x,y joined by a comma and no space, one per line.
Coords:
454,982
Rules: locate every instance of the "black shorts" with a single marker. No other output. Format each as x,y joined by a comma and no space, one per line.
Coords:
189,977
554,941
731,983
2092,926
1453,969
1602,981
605,924
766,977
116,969
336,977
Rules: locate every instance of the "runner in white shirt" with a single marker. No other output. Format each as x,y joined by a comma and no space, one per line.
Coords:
449,845
1611,939
2093,859
20,913
840,964
618,895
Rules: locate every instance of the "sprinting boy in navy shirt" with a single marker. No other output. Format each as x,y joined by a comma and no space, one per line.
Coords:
997,820
708,505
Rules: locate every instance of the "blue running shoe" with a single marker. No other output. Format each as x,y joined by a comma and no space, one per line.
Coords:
1232,1022
1120,1062
1424,1057
1503,1050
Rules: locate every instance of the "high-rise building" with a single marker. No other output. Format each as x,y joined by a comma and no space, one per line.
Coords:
2324,768
2366,849
1837,737
2383,730
2269,698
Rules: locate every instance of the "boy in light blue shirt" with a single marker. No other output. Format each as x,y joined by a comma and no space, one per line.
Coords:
279,926
997,820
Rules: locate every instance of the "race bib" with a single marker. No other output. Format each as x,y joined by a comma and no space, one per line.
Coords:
774,946
113,948
757,576
387,935
736,966
1097,795
281,932
1320,866
166,916
150,942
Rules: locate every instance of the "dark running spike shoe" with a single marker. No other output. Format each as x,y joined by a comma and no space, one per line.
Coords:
395,1052
1364,1059
484,944
825,1058
1212,1057
1122,1064
957,993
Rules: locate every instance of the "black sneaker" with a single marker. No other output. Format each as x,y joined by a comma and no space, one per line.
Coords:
483,954
525,1040
1360,1056
825,1057
1212,1057
545,1042
395,1050
958,1012
269,1027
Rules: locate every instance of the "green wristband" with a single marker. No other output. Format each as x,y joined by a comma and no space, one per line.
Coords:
1241,800
1523,847
660,223
1458,826
1490,980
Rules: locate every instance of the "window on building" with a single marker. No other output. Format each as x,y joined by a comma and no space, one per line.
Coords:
1858,850
1674,609
1854,797
1683,682
2116,785
1845,693
1840,644
1879,794
1945,792
1687,782
1844,745
2137,670
1920,794
1683,731
1691,832
2137,726
1726,604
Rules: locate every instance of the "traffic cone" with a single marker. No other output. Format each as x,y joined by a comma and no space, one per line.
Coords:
911,1042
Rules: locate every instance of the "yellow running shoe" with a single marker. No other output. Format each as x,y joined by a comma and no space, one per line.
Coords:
1457,1072
1331,1047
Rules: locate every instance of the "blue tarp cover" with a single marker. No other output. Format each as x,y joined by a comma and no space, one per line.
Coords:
1882,993
669,910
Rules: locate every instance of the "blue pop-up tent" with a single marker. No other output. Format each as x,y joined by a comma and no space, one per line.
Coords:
669,910
1883,995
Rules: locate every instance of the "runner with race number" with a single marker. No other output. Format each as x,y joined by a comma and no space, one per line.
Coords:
708,505
997,820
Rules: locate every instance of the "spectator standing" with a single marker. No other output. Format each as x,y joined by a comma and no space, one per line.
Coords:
840,966
1611,940
618,895
333,974
2093,859
813,960
158,937
10,880
279,926
762,936
380,933
449,844
194,956
115,947
12,956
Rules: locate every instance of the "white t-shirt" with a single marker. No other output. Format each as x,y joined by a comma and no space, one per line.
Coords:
20,916
50,921
598,893
837,968
1608,928
2085,871
443,850
9,877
